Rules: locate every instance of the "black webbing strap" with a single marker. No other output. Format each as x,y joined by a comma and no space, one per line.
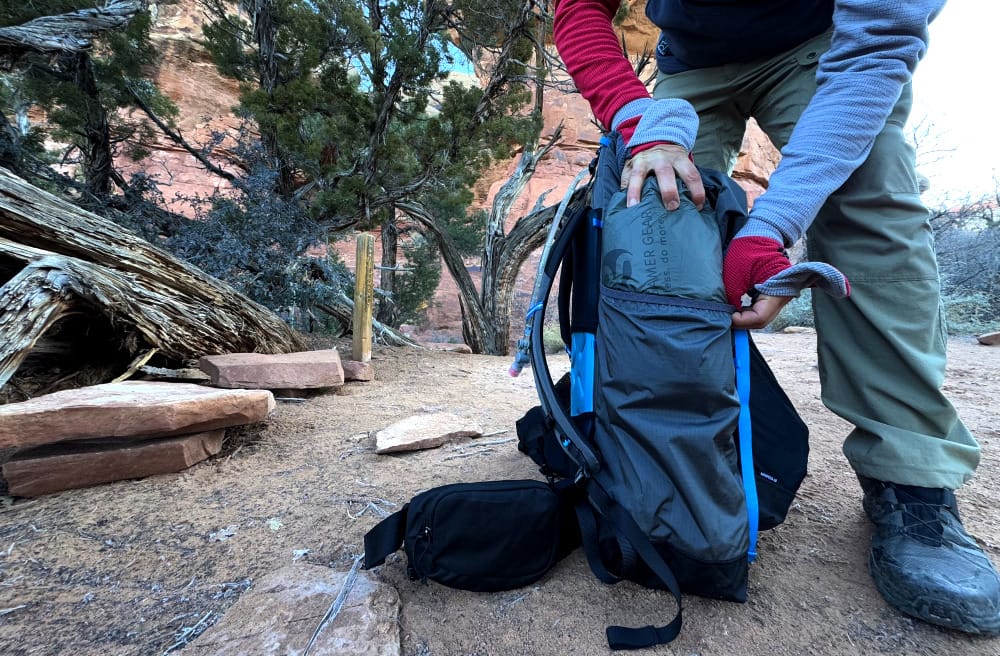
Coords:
621,637
588,532
385,538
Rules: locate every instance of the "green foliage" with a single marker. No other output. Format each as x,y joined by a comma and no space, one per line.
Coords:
967,240
348,98
16,13
353,100
19,140
970,315
623,11
798,312
552,339
417,286
84,94
257,242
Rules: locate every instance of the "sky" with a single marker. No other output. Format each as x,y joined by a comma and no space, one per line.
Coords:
957,94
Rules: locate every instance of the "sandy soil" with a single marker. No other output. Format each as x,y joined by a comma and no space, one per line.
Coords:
123,568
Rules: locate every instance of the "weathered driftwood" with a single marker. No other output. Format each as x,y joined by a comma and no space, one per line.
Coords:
69,32
75,261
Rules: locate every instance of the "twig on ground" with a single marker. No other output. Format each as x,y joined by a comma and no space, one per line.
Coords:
337,604
481,452
477,448
5,611
479,442
374,504
235,451
378,510
188,633
502,609
353,452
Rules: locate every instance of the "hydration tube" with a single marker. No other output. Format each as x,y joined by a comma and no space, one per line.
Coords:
522,357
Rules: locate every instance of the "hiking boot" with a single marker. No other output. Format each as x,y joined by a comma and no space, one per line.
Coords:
924,563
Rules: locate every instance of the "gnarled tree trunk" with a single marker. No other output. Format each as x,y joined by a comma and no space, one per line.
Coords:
486,313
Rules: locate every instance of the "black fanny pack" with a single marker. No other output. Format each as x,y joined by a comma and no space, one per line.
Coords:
483,537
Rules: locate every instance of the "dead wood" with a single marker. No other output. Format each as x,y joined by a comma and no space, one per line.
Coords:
70,32
75,261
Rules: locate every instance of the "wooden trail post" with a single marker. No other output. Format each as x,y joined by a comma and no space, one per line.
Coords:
364,298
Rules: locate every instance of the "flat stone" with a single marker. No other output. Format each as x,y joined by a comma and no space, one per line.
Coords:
798,330
71,465
989,339
360,371
279,615
131,409
186,374
448,346
425,431
302,370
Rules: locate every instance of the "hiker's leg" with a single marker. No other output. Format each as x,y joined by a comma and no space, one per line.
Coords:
721,123
881,365
881,351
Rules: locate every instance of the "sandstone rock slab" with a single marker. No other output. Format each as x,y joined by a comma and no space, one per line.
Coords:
72,465
448,347
425,431
989,339
279,615
359,371
302,370
129,409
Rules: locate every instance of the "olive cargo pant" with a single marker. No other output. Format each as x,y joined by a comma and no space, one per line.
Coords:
882,350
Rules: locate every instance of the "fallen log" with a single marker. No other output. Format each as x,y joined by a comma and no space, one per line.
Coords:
56,260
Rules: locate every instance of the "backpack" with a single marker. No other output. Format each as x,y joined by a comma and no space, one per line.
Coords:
659,460
679,463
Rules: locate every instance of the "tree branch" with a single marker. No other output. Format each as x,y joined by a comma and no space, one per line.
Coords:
70,32
177,138
476,338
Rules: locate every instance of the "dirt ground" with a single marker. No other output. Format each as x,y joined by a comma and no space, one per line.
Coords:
124,568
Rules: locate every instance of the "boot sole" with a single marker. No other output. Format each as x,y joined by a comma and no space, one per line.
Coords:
950,615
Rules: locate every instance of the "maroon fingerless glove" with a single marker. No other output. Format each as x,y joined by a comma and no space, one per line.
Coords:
750,261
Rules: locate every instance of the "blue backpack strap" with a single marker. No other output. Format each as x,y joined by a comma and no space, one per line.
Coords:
742,351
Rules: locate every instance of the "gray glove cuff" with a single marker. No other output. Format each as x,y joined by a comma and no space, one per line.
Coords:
794,279
666,119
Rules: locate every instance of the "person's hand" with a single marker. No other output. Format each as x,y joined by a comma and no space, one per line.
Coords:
762,312
750,261
666,162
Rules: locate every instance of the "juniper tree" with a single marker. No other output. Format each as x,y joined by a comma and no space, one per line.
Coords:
82,87
354,104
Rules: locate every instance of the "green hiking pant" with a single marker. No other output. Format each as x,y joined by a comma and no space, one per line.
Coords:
882,350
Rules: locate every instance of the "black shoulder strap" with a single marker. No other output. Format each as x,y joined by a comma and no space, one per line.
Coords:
587,520
385,538
621,637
